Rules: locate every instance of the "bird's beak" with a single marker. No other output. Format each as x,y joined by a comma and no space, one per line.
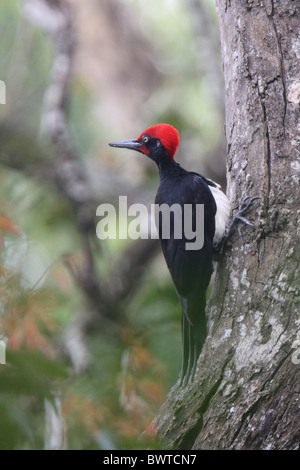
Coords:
127,144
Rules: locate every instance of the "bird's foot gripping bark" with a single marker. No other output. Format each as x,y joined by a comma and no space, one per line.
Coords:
245,206
243,209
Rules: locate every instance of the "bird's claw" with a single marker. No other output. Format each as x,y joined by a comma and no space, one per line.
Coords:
244,207
246,221
246,204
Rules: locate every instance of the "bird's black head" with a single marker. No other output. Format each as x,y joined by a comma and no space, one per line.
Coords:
157,142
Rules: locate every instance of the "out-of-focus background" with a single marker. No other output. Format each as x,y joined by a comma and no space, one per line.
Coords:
90,329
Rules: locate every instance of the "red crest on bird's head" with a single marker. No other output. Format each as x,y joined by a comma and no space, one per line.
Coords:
167,134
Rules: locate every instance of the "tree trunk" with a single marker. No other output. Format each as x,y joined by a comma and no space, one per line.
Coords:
246,391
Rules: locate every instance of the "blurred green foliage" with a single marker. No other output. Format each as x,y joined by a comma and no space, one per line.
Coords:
109,405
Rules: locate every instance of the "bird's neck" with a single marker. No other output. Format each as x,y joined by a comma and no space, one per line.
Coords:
168,168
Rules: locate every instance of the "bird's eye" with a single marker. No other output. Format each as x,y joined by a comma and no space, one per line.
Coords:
145,139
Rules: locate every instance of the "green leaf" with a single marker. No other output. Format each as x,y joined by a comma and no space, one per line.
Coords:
30,373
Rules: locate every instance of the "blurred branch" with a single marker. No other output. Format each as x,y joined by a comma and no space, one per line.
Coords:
21,151
56,18
106,300
128,271
124,280
55,435
209,56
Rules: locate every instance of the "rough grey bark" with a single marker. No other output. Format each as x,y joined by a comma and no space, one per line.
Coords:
246,391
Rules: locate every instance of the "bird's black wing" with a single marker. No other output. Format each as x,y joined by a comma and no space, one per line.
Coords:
188,268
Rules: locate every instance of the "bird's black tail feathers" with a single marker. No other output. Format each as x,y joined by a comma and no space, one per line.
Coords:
194,332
